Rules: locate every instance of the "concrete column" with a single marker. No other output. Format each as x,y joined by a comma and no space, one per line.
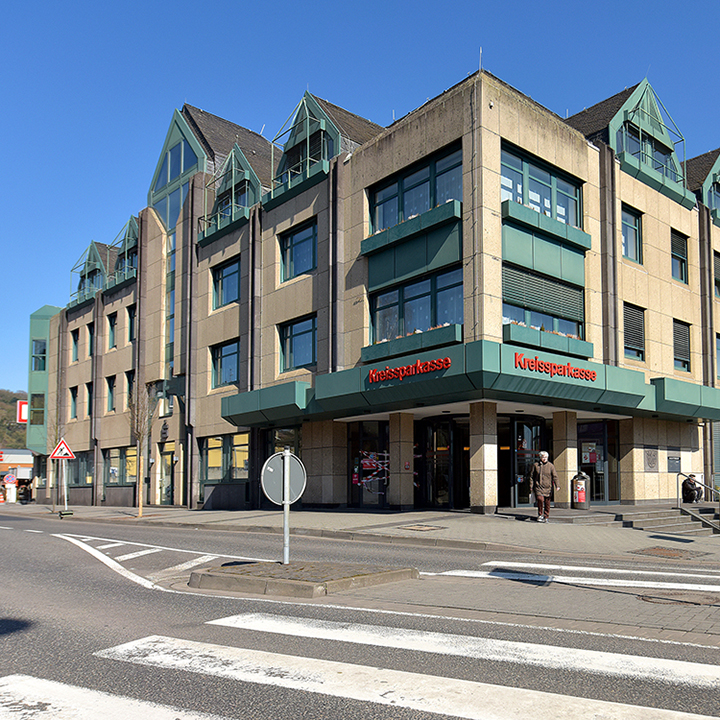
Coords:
483,457
324,454
632,462
565,455
401,491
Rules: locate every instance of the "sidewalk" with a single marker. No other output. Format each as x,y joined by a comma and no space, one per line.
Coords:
513,530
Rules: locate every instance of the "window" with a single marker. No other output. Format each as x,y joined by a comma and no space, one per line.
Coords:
299,249
73,403
110,381
298,342
224,458
418,306
226,284
303,156
91,339
634,323
39,355
417,190
542,303
648,150
225,364
681,345
631,235
232,200
112,324
74,341
539,188
178,159
37,409
717,356
678,245
714,196
89,396
120,465
130,387
131,312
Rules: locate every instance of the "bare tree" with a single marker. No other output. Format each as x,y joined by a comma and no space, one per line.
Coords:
142,404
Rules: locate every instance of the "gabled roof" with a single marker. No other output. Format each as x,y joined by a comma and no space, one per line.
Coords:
107,254
594,120
351,126
217,136
698,168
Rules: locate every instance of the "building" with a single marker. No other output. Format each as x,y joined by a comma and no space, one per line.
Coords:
415,310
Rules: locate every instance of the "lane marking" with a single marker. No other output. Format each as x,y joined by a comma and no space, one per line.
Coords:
609,571
2,527
137,554
34,531
378,685
633,667
570,580
29,698
110,545
177,569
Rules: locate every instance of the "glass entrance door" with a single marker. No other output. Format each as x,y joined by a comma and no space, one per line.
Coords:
597,458
520,441
165,481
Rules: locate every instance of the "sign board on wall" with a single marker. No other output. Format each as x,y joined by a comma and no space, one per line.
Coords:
22,411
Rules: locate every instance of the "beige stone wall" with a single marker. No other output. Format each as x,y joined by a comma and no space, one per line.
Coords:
324,454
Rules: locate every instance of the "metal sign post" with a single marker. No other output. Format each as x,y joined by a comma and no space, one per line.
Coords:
283,480
63,452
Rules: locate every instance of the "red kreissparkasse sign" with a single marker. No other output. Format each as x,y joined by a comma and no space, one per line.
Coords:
535,364
417,368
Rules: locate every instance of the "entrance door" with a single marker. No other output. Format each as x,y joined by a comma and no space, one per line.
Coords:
520,441
597,458
167,464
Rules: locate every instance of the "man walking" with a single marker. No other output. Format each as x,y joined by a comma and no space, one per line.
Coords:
543,479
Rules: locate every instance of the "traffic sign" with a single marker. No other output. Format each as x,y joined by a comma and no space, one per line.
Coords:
271,478
10,479
62,451
22,411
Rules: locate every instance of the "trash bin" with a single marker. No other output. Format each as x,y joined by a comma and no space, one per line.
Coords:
580,499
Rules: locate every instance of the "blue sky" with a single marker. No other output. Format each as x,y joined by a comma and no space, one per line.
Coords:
89,90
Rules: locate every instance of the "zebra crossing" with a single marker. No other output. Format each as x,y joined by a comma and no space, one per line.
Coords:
375,685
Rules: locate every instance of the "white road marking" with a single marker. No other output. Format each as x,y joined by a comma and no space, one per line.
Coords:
29,698
609,571
559,658
177,569
2,527
110,545
382,686
137,554
34,531
567,579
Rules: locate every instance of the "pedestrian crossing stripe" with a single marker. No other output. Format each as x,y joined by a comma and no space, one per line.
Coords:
382,686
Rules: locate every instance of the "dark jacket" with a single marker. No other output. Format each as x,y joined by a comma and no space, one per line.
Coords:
543,478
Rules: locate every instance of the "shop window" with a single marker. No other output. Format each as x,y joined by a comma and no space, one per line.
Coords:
421,305
225,458
542,303
225,363
39,355
131,317
634,331
299,251
631,235
298,344
226,284
74,342
418,189
120,466
678,244
112,466
681,345
37,409
112,326
80,471
540,188
110,383
73,403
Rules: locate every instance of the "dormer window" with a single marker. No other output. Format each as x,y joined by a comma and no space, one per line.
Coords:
232,200
303,156
714,196
648,150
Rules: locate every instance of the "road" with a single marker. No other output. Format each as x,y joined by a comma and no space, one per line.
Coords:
97,622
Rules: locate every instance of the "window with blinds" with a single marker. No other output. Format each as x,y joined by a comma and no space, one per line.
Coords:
716,268
634,326
678,247
681,345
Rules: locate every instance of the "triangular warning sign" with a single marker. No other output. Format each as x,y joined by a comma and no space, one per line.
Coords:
62,451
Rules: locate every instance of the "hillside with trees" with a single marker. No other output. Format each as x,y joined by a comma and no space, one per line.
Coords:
12,435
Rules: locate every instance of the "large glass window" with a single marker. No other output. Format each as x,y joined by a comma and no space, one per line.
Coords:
299,249
418,189
648,150
225,458
681,345
168,207
421,305
226,284
540,188
37,409
225,363
179,159
631,235
120,465
298,343
714,196
679,256
39,355
634,323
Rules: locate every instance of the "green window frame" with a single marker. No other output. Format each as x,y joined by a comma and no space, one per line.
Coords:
540,187
417,306
421,187
681,345
634,331
39,355
225,458
120,466
632,235
179,159
678,246
299,250
714,196
542,303
131,318
37,409
225,364
648,150
74,342
110,384
226,283
112,326
298,344
73,403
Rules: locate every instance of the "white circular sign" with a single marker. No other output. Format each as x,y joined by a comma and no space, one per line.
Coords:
271,478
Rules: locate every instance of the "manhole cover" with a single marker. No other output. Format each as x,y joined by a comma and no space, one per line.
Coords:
671,553
685,598
422,528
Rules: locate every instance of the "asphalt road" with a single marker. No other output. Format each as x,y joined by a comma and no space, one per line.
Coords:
481,642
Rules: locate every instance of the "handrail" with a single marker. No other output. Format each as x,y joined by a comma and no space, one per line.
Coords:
709,487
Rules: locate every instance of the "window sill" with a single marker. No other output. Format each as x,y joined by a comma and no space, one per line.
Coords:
417,342
435,217
294,187
530,337
224,227
549,226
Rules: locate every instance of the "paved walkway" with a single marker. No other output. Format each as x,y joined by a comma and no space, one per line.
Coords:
508,530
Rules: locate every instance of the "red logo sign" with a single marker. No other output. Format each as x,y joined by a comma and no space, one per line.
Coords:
535,364
417,368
